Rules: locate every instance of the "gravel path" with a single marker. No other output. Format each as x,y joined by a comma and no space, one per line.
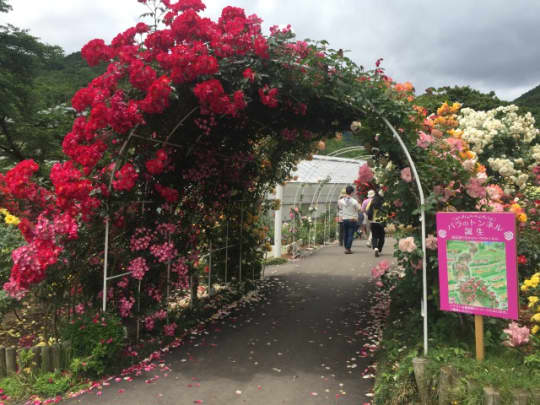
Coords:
305,342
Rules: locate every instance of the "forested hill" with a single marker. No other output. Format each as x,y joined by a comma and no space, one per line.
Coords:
531,102
59,79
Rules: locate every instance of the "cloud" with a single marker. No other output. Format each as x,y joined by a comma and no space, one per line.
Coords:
489,45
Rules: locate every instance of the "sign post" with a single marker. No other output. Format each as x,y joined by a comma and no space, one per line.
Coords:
479,336
478,266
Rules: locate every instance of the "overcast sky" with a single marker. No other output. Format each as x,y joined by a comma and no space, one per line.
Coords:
487,44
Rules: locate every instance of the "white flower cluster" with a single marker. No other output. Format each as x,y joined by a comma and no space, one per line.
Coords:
480,127
506,168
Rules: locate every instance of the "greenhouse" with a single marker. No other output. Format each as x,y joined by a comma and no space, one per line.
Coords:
308,202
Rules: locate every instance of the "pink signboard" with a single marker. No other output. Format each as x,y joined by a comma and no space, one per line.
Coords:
477,263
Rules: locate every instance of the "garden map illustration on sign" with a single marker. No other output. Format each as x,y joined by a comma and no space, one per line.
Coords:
477,263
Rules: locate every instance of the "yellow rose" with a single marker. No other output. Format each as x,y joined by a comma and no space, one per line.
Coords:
536,317
522,217
455,108
12,220
535,329
443,109
533,300
4,211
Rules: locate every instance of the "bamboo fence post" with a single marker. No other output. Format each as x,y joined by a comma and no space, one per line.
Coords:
3,367
520,397
46,363
11,360
491,396
36,360
56,358
419,366
66,346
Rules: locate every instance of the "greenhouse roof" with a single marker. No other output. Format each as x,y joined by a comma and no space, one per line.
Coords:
320,168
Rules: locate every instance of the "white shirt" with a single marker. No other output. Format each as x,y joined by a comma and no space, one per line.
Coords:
349,208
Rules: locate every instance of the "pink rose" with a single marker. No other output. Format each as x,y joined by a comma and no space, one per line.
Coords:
431,242
380,269
407,244
455,144
365,174
516,336
406,175
475,189
496,207
384,264
424,140
495,192
398,203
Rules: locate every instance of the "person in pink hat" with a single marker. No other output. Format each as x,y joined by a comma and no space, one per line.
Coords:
366,227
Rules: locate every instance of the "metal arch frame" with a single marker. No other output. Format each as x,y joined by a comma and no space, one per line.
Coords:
423,304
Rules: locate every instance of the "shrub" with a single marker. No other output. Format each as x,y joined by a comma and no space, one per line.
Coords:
96,341
51,384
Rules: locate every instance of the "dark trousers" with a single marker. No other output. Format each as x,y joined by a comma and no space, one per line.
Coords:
349,226
340,233
377,235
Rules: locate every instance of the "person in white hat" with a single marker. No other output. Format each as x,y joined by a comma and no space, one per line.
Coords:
366,225
349,210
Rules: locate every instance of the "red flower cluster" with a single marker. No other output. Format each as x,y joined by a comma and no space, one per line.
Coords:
269,96
18,181
95,52
169,194
188,62
157,165
213,98
72,191
30,261
125,178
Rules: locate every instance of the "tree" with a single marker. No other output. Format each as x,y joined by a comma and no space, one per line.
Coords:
4,6
465,95
28,127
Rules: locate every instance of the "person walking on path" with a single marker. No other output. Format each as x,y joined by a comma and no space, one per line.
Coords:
349,211
340,218
366,226
377,218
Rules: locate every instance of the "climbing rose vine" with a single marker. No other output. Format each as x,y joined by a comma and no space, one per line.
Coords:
176,143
